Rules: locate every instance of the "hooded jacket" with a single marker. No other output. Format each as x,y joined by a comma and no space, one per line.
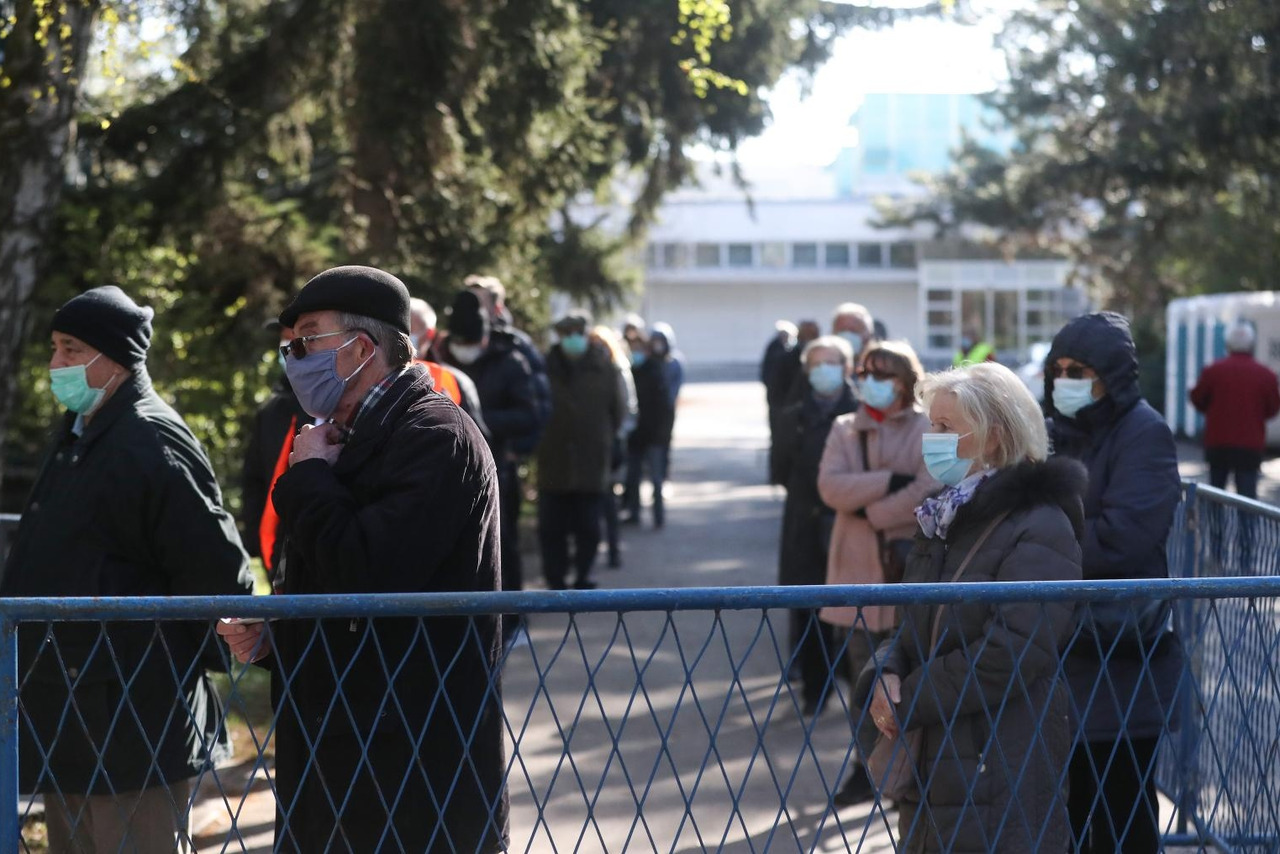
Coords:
588,406
1133,492
989,703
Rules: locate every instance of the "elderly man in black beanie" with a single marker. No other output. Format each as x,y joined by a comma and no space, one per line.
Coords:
395,492
117,718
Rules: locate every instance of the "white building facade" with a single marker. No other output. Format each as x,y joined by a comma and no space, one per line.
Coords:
722,270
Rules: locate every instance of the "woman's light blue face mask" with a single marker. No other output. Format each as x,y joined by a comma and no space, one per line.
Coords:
941,457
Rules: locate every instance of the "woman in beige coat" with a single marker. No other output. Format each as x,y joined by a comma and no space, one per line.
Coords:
874,500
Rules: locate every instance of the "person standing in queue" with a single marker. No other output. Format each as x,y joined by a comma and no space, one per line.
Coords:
411,757
116,718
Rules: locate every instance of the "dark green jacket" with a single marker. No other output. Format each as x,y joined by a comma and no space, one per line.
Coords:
588,403
130,508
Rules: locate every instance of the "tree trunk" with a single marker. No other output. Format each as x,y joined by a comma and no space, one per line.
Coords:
44,57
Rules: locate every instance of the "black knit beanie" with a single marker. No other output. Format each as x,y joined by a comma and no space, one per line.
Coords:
108,321
468,321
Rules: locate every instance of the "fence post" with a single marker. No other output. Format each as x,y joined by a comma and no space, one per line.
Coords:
10,820
1184,623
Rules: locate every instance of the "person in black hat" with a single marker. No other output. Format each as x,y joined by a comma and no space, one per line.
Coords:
394,466
126,504
508,401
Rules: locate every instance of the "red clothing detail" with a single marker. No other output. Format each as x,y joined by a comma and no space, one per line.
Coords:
270,522
1237,395
876,414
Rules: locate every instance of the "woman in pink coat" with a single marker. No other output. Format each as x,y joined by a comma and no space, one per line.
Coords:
874,498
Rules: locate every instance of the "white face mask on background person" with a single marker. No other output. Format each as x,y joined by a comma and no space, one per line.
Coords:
466,354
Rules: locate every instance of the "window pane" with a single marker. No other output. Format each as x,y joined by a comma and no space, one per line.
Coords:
973,314
740,255
773,254
1006,320
902,255
941,342
651,255
870,255
941,296
837,254
940,319
675,255
804,255
707,255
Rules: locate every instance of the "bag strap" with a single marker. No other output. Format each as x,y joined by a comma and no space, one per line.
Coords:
863,443
964,564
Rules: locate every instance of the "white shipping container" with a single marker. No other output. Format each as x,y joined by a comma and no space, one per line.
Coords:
1197,329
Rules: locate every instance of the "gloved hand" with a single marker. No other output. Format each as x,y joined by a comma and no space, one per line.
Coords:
899,481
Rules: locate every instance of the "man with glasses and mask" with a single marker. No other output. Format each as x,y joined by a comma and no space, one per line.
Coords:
410,754
118,717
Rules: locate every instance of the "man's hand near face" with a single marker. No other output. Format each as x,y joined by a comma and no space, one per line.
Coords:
317,443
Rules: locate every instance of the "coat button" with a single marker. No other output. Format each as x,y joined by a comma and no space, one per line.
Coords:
73,672
35,505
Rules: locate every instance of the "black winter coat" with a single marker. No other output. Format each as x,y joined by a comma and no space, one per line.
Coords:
655,413
526,443
271,425
130,508
508,394
410,506
1134,490
990,701
806,520
588,405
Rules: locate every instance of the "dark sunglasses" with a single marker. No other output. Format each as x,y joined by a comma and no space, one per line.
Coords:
1072,372
297,348
882,376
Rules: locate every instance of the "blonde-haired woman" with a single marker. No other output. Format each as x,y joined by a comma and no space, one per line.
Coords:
621,354
978,682
873,475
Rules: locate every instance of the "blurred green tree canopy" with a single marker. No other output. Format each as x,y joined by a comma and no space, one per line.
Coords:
210,155
1147,149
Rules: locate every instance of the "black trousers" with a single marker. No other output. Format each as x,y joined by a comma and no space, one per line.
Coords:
816,654
509,501
1242,464
565,516
1125,813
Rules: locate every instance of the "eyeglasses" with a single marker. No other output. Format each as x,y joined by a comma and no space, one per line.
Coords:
1071,372
297,348
882,376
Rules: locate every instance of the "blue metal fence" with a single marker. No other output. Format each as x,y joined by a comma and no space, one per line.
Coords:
665,719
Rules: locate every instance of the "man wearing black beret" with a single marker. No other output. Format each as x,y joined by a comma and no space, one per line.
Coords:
395,492
116,718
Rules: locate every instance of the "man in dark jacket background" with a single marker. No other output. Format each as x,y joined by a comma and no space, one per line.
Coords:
1238,396
266,457
509,404
1124,668
588,405
410,754
126,504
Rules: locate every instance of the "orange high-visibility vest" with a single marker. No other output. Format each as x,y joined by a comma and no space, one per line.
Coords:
270,520
446,382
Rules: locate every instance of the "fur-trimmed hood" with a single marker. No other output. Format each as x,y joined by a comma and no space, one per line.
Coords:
1059,481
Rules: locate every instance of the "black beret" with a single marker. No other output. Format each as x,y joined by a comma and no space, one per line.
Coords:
468,321
109,321
577,318
366,291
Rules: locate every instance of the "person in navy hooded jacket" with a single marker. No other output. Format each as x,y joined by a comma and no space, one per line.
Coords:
1124,666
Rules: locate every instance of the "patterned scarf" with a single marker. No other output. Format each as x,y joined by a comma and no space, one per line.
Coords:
936,514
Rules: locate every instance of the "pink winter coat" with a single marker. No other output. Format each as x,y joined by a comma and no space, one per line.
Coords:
846,486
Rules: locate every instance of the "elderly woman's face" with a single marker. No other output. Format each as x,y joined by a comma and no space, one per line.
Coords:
945,417
827,355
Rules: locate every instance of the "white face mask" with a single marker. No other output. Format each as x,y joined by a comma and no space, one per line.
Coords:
466,354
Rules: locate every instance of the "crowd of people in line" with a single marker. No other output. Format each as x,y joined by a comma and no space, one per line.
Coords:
389,459
892,474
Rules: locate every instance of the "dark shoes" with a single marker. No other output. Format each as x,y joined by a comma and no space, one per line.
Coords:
615,560
584,584
857,789
631,519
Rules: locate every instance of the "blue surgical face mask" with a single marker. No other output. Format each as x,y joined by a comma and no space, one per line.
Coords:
316,382
826,379
637,359
574,345
1070,396
878,394
941,459
71,387
855,341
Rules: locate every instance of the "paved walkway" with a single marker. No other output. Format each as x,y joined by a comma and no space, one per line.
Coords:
622,720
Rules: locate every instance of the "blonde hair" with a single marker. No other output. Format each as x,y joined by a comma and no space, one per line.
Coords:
610,340
898,357
994,402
